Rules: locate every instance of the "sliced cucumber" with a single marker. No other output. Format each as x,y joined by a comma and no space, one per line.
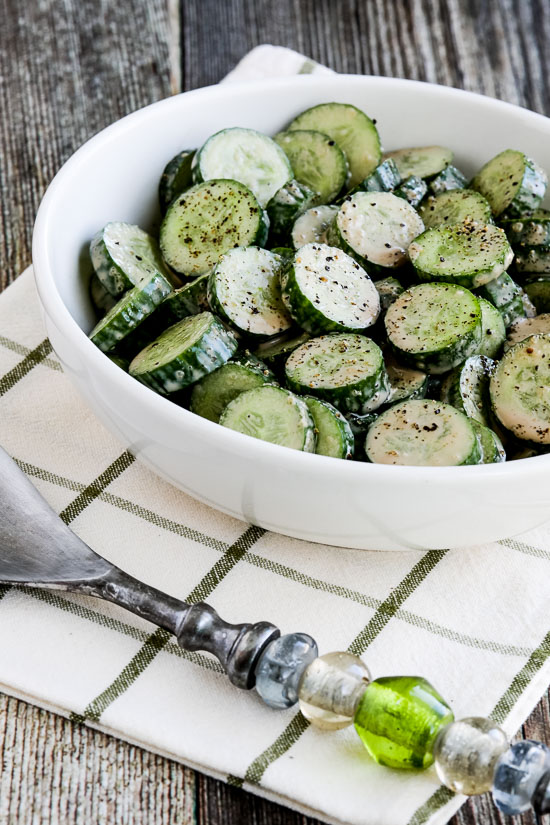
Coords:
327,291
421,161
538,292
345,369
123,363
176,178
533,260
447,180
132,309
312,225
184,353
247,156
244,289
214,392
102,301
334,434
272,414
285,207
124,256
413,189
384,178
512,183
467,388
469,254
276,350
353,131
520,390
506,296
189,299
493,331
422,433
456,206
434,327
492,451
388,290
532,229
317,161
405,383
208,220
359,426
376,228
523,328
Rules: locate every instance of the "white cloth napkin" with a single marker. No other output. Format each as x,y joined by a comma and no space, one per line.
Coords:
474,621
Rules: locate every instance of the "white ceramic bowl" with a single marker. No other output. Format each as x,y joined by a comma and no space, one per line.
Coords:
114,176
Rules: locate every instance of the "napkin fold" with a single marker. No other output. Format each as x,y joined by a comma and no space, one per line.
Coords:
473,621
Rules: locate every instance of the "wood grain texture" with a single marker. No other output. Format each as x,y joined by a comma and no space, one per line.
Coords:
67,69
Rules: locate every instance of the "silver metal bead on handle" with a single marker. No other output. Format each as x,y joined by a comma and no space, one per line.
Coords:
38,550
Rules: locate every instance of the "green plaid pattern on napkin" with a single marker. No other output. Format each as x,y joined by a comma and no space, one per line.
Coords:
474,622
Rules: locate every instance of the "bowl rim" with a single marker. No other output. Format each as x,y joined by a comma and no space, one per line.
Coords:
161,406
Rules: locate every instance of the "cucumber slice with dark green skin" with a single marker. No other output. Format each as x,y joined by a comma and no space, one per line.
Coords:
132,309
102,301
467,388
384,178
470,254
207,221
245,155
312,225
276,350
413,189
176,178
120,362
375,228
325,290
405,383
317,161
422,433
512,183
184,353
532,260
492,451
447,180
421,161
434,327
123,256
388,290
456,206
493,331
345,369
189,299
334,434
523,328
519,390
244,289
272,414
506,296
532,229
285,207
359,426
215,391
538,292
351,129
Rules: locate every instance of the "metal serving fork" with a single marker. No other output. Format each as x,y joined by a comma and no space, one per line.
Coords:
38,550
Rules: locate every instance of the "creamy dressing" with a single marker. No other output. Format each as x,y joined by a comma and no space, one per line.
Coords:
379,227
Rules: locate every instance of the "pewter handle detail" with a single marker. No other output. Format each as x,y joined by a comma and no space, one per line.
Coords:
38,550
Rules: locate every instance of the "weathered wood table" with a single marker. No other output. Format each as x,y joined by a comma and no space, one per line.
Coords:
67,70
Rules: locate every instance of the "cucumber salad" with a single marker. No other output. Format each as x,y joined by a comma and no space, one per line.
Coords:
308,290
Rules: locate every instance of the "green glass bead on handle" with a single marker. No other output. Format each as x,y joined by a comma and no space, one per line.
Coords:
398,719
